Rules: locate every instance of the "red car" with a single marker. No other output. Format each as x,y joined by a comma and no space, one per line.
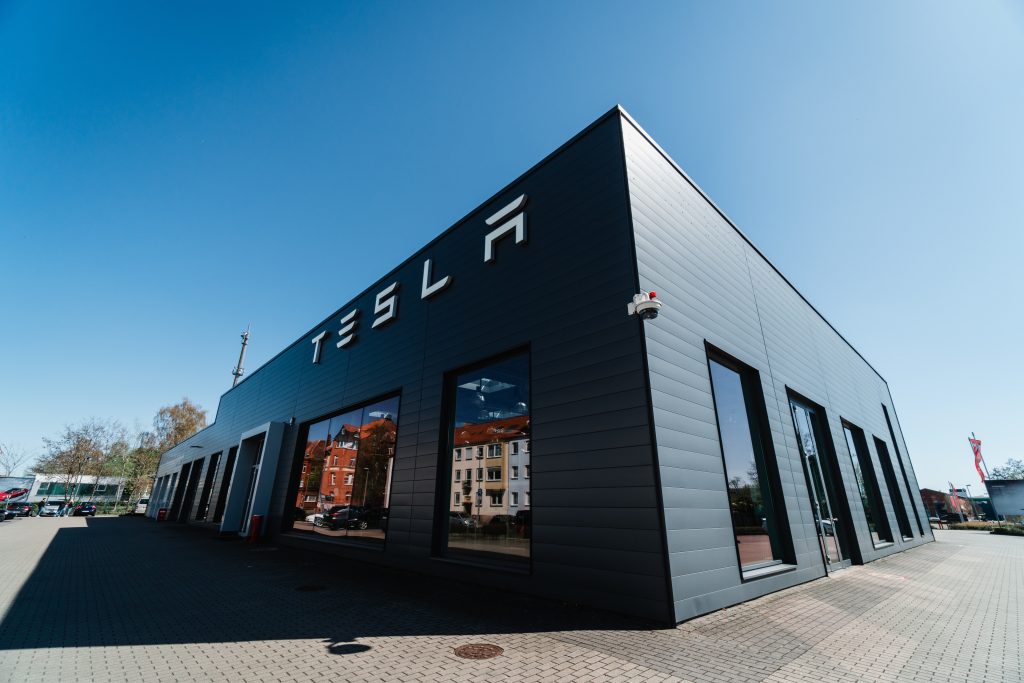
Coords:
22,509
11,494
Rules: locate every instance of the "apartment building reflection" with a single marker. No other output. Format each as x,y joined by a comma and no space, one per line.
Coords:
345,482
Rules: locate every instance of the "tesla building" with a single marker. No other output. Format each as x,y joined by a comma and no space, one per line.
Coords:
593,388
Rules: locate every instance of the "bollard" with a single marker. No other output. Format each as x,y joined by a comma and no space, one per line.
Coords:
255,525
161,514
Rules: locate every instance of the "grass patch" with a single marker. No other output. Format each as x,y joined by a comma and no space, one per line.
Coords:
971,526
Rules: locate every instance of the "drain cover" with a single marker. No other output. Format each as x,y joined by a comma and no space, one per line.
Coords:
478,651
310,588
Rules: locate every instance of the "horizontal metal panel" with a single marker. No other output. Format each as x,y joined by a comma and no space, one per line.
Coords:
716,288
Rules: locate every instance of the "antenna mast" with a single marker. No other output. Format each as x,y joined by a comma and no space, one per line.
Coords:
239,370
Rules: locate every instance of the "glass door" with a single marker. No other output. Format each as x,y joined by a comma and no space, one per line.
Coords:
250,489
826,520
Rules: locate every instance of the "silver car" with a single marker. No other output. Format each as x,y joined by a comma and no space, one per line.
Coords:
50,510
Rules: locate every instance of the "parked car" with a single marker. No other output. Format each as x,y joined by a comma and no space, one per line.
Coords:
22,509
351,517
84,510
8,514
51,509
523,523
12,494
460,523
500,525
141,505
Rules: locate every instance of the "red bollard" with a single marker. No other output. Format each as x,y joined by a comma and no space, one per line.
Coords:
254,528
161,514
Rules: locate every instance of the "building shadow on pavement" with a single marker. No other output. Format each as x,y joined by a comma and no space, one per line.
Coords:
129,581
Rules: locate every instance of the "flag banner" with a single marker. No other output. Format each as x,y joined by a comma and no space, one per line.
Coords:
954,500
976,447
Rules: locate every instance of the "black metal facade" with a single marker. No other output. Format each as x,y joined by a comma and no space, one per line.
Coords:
629,506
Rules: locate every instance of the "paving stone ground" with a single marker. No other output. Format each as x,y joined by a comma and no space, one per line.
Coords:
124,599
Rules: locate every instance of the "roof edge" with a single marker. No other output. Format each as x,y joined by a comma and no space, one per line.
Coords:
616,109
626,115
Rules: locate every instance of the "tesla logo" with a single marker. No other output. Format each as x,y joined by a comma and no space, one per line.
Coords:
516,223
510,220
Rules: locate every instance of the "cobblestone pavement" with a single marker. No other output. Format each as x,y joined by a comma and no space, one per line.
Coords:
121,599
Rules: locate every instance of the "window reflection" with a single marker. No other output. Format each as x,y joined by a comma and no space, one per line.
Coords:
489,462
749,497
345,481
826,521
867,486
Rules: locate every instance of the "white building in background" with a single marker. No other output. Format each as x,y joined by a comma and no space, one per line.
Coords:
85,487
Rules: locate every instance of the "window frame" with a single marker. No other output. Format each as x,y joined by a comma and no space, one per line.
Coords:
861,461
439,543
893,486
779,530
287,522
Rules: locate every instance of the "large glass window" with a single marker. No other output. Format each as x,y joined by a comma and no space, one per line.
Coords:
811,427
903,471
489,514
345,484
867,485
754,521
902,520
204,496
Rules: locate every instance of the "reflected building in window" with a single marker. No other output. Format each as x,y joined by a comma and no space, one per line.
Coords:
345,482
489,466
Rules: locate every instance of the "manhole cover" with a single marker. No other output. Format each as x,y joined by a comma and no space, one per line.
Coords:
310,588
478,651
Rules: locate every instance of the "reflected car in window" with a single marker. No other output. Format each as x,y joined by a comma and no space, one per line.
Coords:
500,525
459,522
523,522
351,517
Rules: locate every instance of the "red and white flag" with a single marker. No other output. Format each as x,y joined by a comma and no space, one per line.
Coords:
976,447
954,499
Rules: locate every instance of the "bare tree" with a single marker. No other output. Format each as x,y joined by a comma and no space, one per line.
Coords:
78,451
11,458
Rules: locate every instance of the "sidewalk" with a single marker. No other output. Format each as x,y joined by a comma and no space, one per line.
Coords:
122,599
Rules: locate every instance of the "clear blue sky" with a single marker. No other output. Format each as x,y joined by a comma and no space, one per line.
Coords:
171,171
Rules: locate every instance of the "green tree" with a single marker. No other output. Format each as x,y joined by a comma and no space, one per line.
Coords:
1013,469
173,424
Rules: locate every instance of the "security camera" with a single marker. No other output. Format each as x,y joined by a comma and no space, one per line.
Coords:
645,305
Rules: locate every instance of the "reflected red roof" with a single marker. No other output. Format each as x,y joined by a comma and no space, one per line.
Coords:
505,429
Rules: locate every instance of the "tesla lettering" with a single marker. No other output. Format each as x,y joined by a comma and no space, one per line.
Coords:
510,220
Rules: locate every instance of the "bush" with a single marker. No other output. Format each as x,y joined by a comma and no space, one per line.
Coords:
968,526
1008,531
